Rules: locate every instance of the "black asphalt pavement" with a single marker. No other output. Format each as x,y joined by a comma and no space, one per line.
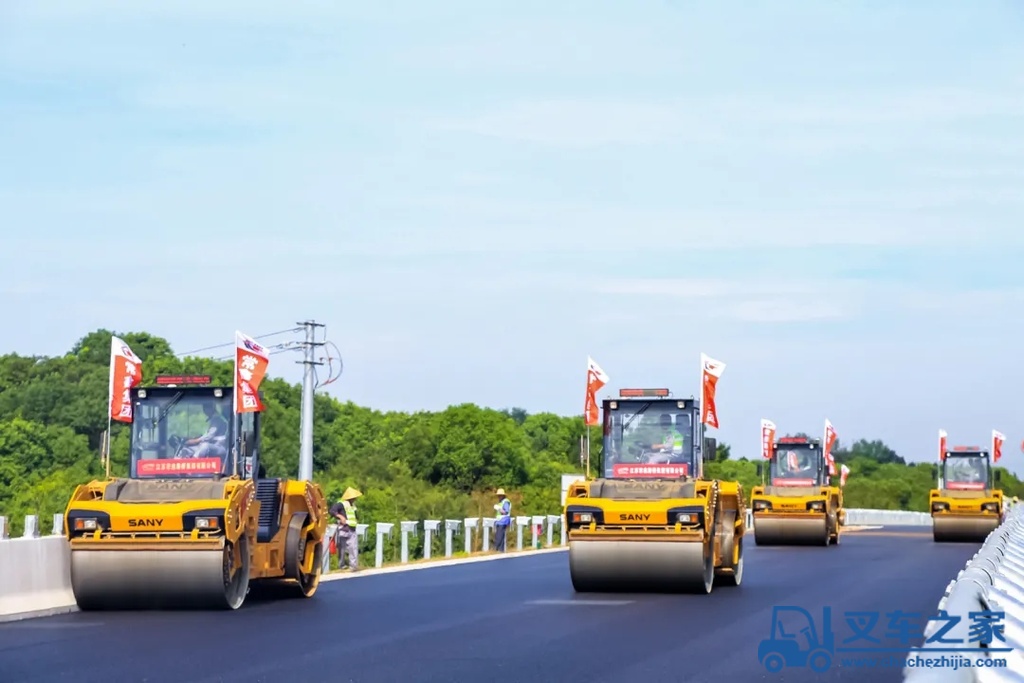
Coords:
508,620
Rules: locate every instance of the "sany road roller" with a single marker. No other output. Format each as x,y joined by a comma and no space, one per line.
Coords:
652,522
966,506
193,525
798,505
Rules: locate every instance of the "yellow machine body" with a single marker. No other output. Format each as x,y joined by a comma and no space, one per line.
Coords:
177,539
648,526
798,505
965,506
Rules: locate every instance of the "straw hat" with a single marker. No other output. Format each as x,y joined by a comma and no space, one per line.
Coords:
350,494
500,492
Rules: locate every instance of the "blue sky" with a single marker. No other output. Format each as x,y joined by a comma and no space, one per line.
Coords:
827,197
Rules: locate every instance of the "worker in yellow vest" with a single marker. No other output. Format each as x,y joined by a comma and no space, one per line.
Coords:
344,511
503,519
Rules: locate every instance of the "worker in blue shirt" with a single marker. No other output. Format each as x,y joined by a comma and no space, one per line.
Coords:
503,519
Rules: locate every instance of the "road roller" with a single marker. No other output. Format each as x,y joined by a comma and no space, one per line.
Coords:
651,522
966,506
195,524
798,505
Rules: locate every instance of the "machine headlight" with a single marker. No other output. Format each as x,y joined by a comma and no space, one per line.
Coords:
686,518
817,506
762,505
86,524
584,517
206,522
939,507
990,507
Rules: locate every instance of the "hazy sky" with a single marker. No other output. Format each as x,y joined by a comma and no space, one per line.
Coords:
477,196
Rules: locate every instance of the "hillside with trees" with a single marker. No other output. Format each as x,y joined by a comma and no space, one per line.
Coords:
409,466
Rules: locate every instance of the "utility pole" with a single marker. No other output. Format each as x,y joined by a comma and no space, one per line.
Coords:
308,385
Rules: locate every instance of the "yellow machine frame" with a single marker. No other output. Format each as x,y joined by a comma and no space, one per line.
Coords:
187,541
965,514
664,533
809,514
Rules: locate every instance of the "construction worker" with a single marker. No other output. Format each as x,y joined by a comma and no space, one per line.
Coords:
671,442
344,511
502,521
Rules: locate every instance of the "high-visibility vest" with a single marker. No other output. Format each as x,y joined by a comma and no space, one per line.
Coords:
676,439
504,510
350,513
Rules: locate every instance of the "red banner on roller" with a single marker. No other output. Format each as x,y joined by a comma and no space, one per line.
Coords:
650,470
966,485
178,467
792,482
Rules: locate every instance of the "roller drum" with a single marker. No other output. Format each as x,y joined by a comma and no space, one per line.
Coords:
640,566
797,531
157,579
947,529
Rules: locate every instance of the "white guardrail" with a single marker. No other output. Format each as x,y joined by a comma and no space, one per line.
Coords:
35,567
990,588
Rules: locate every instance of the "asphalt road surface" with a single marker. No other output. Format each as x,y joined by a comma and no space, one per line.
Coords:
508,620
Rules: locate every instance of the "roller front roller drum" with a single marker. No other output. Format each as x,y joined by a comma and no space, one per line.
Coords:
799,531
640,566
160,579
948,529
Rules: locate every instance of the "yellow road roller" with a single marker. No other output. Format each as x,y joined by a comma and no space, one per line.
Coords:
965,506
798,505
194,524
651,522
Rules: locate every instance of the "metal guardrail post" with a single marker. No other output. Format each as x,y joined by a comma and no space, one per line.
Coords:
325,561
553,521
31,526
471,523
429,527
407,528
450,527
520,523
58,524
488,525
383,529
5,531
538,521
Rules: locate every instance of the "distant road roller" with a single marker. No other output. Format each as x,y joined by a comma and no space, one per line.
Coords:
799,505
652,522
193,525
965,506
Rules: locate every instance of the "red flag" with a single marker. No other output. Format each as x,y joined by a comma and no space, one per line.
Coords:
942,444
710,372
767,438
844,472
830,441
998,439
125,373
596,378
251,361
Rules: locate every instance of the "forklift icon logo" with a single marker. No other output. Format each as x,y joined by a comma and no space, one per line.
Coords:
796,642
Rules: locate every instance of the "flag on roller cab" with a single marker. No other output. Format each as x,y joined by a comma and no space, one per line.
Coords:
942,444
596,378
710,372
844,472
830,441
767,438
125,373
251,361
998,439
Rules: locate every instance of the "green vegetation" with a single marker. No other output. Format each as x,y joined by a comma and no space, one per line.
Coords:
409,466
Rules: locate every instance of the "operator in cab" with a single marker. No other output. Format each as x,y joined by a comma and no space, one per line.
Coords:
671,442
212,444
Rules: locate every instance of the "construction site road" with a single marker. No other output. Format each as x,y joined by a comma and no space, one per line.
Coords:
513,620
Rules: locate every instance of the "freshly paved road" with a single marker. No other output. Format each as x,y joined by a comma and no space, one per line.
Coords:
508,620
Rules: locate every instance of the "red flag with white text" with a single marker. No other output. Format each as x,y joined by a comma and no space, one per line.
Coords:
767,438
943,436
998,439
710,372
125,373
830,441
596,378
251,361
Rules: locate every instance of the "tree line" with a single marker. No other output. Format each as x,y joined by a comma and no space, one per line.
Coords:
420,465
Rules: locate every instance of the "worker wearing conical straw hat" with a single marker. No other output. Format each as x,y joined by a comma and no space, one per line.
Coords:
503,518
344,511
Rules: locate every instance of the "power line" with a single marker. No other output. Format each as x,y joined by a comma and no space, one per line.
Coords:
221,346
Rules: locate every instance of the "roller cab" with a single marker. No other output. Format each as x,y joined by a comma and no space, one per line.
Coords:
193,524
651,522
798,505
965,506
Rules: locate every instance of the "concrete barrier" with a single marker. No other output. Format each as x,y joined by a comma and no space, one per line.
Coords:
34,577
